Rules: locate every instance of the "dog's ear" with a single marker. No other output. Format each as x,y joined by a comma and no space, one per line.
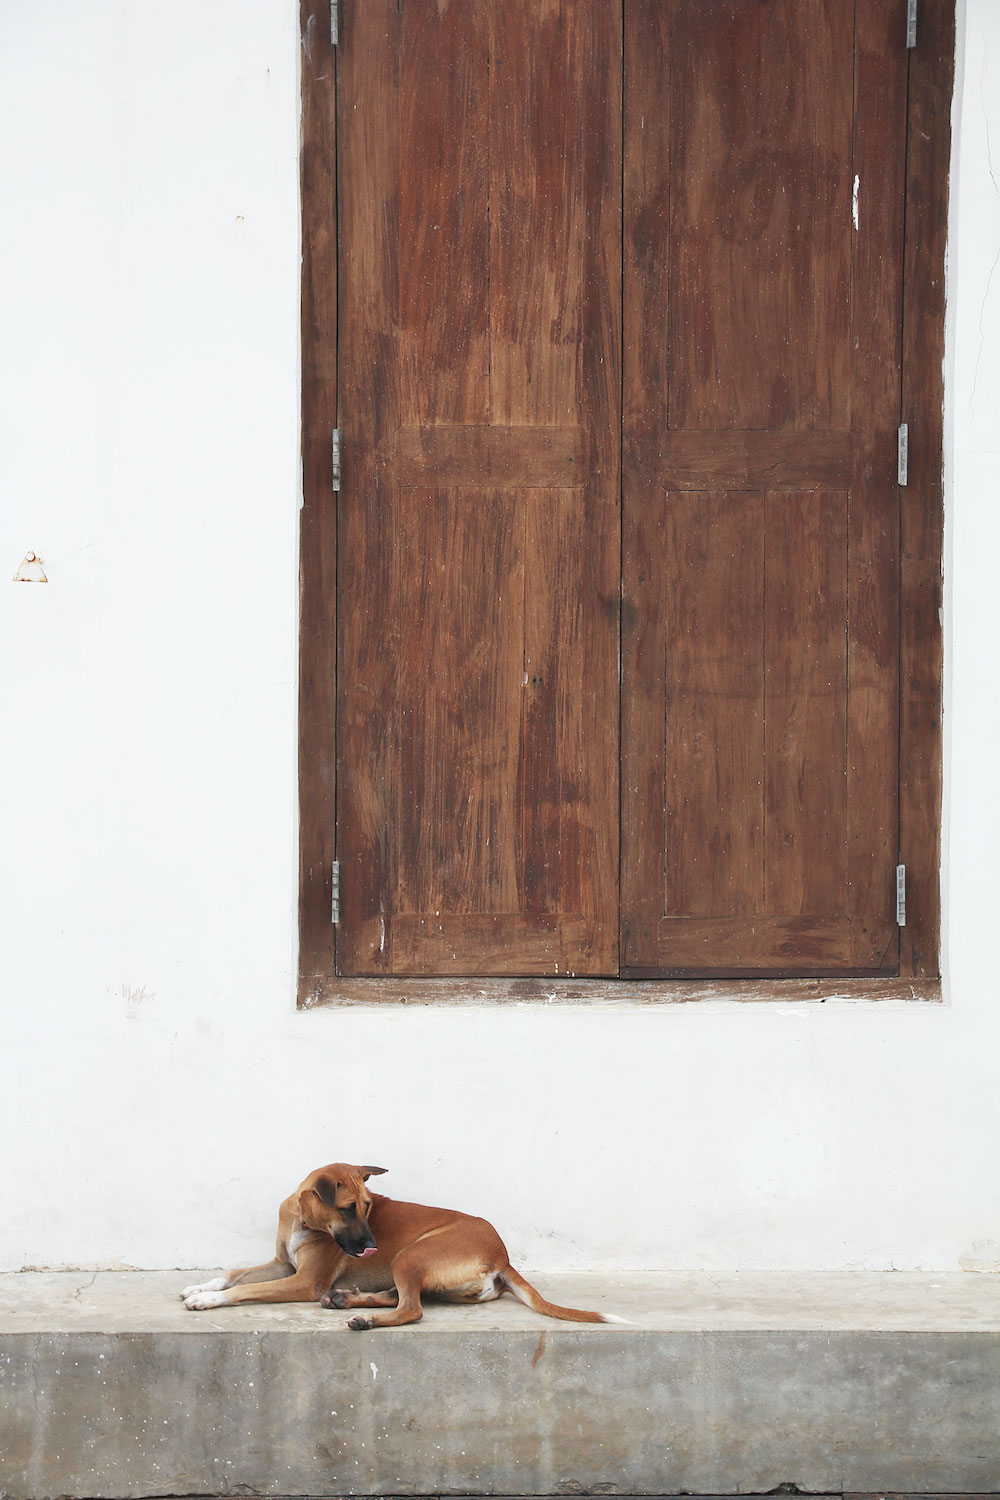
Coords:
326,1191
367,1172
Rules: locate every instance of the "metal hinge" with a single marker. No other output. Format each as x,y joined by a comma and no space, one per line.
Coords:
335,20
900,895
335,894
902,452
911,22
335,454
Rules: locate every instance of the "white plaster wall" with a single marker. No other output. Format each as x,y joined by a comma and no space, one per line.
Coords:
159,1091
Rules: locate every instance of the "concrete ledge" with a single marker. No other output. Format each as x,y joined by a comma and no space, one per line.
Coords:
724,1385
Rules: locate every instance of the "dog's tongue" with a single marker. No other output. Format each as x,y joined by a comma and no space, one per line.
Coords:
369,1251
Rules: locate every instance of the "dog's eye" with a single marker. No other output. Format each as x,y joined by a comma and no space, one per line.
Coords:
348,1211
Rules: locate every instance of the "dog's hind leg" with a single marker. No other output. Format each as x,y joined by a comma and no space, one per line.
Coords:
340,1297
407,1272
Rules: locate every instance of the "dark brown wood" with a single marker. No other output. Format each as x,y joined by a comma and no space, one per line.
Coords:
732,944
805,697
645,288
318,520
616,993
741,441
759,160
928,159
714,669
754,460
763,233
475,457
479,581
873,507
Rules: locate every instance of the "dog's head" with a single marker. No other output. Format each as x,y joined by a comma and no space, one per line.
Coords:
335,1201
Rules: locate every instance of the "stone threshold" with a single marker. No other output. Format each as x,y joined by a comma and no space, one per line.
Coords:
722,1384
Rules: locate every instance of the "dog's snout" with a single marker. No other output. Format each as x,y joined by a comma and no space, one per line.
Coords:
356,1244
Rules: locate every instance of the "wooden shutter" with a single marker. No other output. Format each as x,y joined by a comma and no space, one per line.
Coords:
479,522
763,204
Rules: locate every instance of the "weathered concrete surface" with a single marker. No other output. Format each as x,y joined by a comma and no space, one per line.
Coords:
736,1384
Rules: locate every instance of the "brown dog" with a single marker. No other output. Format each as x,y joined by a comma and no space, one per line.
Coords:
398,1251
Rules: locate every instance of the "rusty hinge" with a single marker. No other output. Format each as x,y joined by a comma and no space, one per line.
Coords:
911,23
900,895
335,894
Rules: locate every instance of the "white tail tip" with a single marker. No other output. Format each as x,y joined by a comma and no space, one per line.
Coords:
613,1318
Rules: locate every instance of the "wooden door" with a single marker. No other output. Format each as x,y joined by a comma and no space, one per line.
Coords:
763,223
479,148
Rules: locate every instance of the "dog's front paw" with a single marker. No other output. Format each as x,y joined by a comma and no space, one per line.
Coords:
333,1298
200,1298
219,1284
360,1325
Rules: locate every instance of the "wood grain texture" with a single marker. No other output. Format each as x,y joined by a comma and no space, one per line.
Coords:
370,637
457,590
441,248
804,944
526,943
805,704
742,460
762,388
928,158
318,520
481,236
873,515
714,705
471,457
620,994
759,162
480,521
647,110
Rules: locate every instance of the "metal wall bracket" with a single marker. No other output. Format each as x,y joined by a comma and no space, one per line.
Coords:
900,895
902,452
335,894
911,23
335,455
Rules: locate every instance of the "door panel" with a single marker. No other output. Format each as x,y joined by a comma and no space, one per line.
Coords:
479,523
764,150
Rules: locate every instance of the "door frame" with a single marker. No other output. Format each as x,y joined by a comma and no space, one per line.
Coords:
928,158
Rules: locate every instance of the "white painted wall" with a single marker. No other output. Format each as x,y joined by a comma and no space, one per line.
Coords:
160,1094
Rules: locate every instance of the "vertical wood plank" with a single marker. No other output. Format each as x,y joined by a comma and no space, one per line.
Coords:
932,66
479,670
759,250
646,208
714,630
466,385
762,319
444,214
805,704
458,589
370,633
873,521
318,520
561,706
556,357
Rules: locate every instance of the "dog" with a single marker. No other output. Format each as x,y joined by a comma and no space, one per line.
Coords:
332,1223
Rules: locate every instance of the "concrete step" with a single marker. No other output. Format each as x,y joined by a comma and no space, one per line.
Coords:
722,1384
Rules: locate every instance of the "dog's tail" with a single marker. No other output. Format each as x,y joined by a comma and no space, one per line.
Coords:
526,1293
